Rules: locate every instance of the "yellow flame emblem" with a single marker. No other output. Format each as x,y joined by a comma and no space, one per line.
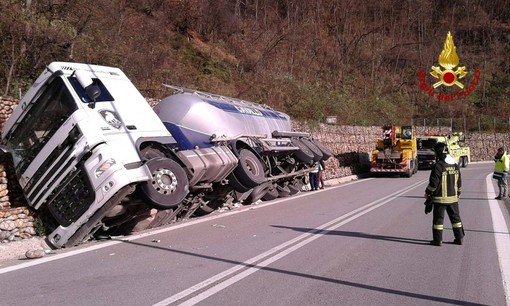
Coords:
448,59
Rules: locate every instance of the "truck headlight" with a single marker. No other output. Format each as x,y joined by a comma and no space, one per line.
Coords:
104,167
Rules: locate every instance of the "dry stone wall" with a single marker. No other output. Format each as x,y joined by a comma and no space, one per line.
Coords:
351,147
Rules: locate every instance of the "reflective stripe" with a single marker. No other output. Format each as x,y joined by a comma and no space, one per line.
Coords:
445,200
444,184
438,227
456,186
457,225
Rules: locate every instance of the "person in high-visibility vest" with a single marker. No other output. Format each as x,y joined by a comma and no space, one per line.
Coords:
314,176
443,191
501,172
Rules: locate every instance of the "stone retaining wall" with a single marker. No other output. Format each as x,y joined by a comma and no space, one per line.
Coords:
350,145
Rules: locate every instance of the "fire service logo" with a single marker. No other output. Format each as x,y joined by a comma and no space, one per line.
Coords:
448,76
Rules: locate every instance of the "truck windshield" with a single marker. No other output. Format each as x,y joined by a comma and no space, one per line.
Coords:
424,144
44,117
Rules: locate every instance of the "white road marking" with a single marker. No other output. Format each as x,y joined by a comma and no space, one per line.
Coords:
218,282
501,234
151,232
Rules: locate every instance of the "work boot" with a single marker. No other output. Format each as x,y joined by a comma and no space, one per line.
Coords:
437,236
435,242
458,233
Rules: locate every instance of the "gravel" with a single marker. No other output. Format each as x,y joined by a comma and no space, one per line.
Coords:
17,250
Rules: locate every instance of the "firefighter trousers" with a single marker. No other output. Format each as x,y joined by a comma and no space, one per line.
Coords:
438,217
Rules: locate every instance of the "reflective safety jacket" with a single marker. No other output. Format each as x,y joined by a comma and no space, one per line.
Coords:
445,182
315,168
502,163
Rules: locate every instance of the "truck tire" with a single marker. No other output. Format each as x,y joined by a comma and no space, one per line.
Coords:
326,153
317,153
257,193
169,184
271,194
410,168
208,208
295,186
233,181
464,161
304,154
283,191
249,171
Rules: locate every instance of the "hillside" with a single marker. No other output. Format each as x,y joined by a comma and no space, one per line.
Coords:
357,60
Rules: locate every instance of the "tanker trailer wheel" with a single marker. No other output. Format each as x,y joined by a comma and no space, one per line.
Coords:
304,154
168,186
257,193
317,153
208,208
283,191
249,171
295,186
326,153
271,194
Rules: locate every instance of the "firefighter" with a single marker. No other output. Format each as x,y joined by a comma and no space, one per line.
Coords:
443,192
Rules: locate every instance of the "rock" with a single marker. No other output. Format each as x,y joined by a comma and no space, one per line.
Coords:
32,254
7,225
4,235
29,230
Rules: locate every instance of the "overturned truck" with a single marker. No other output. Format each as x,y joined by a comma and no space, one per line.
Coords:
95,159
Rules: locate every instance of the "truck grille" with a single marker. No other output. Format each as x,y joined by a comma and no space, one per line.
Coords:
71,198
61,154
61,183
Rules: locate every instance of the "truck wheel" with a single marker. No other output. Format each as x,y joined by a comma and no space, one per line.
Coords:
304,154
317,153
208,208
410,169
257,193
271,194
295,187
169,184
326,153
283,191
249,171
236,185
464,161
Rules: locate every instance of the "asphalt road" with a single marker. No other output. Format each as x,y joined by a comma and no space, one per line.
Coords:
358,243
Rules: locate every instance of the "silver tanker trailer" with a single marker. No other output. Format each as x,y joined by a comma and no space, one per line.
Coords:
94,159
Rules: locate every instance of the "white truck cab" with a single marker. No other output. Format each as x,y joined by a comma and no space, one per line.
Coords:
73,139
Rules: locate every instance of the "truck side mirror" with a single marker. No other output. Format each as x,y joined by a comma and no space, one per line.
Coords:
87,83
